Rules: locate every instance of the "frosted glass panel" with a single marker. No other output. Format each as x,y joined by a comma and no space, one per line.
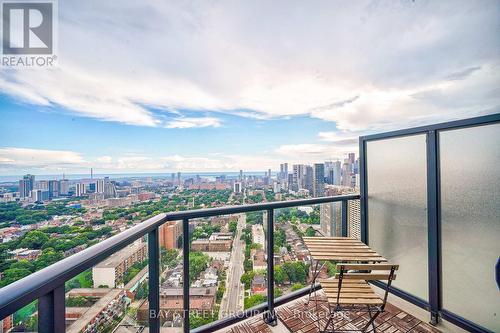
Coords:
397,208
470,222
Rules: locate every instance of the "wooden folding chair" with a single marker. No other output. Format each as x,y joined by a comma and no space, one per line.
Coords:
350,291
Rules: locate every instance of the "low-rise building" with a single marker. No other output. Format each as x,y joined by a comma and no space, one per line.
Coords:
118,202
170,309
169,234
98,316
201,301
144,196
194,293
259,259
223,221
258,236
207,245
25,254
259,286
110,272
221,236
210,277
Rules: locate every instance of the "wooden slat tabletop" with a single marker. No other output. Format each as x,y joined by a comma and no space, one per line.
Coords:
341,249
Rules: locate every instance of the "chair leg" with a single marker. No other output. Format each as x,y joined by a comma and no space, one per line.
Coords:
330,321
312,283
371,321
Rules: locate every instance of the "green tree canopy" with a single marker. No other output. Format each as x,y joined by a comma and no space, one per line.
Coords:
254,300
34,239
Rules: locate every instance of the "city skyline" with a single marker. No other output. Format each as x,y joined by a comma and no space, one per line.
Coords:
287,90
303,180
91,173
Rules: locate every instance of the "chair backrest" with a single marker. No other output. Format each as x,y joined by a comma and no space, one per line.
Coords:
385,272
366,272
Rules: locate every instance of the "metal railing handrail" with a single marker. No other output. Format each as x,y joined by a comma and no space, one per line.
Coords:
41,283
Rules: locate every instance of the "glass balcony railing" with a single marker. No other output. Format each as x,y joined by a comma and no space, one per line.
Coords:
431,203
47,286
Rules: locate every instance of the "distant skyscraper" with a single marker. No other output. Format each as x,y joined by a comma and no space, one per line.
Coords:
53,189
39,195
284,171
351,157
63,187
100,186
329,166
353,180
298,177
237,187
109,188
289,181
330,219
346,174
319,180
355,168
26,185
330,176
337,173
241,175
172,176
309,179
91,187
81,189
179,178
269,173
276,187
42,185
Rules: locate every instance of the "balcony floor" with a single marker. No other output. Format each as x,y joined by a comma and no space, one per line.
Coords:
296,318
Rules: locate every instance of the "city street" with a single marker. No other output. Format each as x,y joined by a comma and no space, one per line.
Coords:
233,297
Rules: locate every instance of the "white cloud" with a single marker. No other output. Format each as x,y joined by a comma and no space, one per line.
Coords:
104,159
194,122
308,153
397,108
363,65
39,159
310,149
340,138
136,162
190,163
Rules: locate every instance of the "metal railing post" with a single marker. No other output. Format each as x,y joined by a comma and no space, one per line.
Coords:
344,218
433,225
185,273
363,191
270,316
51,311
154,281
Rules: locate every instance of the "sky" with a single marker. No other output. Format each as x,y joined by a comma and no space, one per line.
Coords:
165,86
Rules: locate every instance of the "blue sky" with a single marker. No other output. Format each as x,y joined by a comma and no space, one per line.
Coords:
218,86
43,127
53,128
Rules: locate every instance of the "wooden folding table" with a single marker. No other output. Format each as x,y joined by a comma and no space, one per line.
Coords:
339,249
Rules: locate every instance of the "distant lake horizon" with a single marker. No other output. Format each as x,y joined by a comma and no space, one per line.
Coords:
230,174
